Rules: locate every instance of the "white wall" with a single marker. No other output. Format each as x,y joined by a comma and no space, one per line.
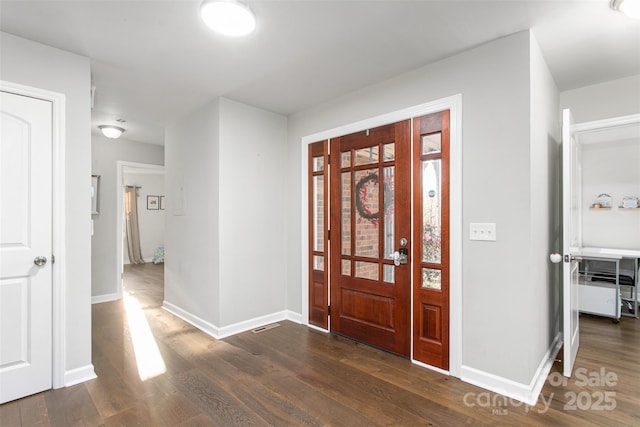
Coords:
224,263
192,258
150,221
603,101
608,168
252,215
543,325
36,65
494,80
611,167
106,153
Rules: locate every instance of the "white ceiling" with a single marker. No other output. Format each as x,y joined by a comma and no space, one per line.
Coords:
153,62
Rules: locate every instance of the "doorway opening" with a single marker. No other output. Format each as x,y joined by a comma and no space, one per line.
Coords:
147,182
601,252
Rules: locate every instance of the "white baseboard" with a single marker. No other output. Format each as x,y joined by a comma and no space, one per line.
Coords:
545,367
316,328
256,322
526,393
148,259
79,375
236,328
203,325
294,317
433,368
97,299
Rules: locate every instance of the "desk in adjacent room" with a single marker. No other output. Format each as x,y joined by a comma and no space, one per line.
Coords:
609,282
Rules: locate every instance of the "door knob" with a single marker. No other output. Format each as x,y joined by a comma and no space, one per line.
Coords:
40,261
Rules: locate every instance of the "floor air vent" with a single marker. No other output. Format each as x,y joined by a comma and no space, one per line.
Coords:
265,328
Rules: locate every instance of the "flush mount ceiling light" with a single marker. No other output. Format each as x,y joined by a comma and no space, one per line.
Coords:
228,17
631,8
112,132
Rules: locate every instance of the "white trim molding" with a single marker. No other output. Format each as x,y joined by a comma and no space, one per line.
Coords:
58,101
526,393
79,375
218,332
192,319
629,120
430,367
247,325
293,316
454,105
125,261
316,328
98,299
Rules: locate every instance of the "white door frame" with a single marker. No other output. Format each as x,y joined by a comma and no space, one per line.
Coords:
454,104
632,119
122,168
58,211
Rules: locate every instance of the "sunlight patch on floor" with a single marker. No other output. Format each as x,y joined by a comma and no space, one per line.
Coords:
148,358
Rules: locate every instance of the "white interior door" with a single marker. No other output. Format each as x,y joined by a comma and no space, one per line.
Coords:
571,241
25,246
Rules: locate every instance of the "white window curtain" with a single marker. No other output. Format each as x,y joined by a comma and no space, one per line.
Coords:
132,228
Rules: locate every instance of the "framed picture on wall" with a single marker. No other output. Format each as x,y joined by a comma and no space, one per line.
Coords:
95,194
153,203
161,203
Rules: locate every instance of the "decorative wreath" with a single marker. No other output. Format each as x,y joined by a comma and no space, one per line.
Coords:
361,196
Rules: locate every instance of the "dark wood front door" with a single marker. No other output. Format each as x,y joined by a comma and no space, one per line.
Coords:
370,221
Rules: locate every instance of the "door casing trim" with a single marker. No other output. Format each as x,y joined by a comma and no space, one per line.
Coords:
58,211
454,104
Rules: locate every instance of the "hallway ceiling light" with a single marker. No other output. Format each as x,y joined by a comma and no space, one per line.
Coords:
228,17
112,132
631,8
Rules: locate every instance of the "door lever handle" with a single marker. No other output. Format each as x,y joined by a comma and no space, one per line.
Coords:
400,257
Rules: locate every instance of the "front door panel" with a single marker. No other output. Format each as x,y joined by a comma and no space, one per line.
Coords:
370,212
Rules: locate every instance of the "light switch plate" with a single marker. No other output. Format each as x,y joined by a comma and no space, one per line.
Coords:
485,231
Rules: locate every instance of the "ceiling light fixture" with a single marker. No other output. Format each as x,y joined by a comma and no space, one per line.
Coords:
112,132
228,17
631,8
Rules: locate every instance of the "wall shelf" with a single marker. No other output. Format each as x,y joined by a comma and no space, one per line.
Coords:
591,208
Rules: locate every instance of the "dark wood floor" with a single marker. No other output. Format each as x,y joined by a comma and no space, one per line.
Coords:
291,375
